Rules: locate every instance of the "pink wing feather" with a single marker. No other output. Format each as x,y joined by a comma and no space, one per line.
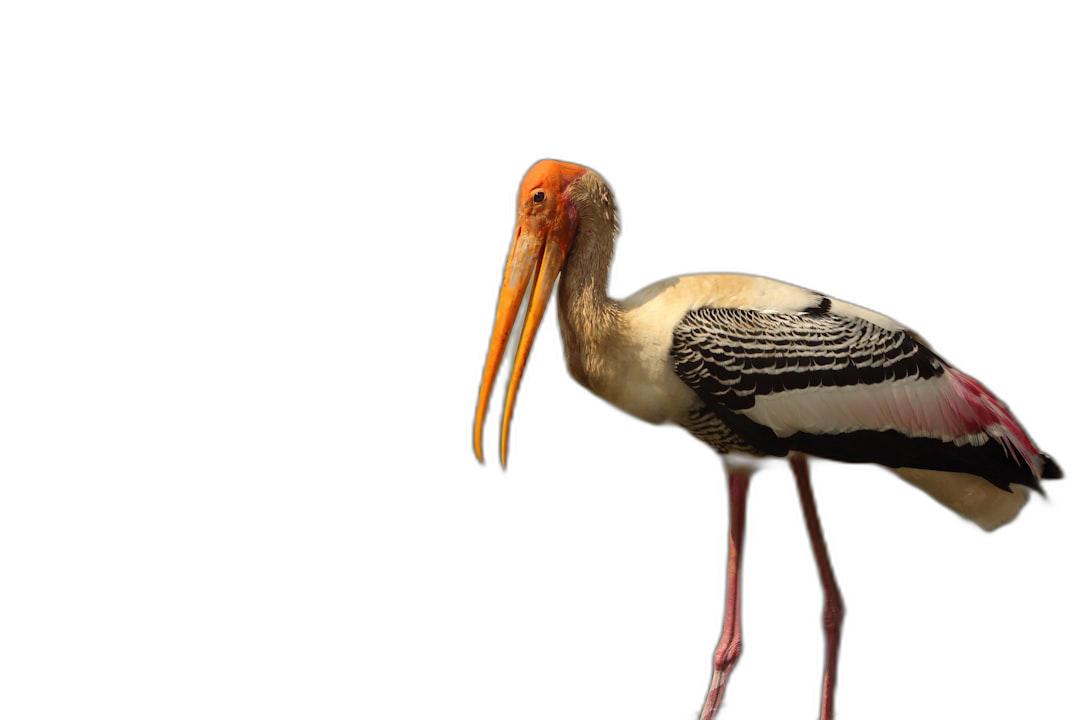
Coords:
976,410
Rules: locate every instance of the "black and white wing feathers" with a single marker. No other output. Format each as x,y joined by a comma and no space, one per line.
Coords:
842,387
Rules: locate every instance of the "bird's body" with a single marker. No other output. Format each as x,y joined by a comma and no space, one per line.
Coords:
848,370
758,367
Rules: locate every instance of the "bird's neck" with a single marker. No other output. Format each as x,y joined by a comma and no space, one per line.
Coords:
588,318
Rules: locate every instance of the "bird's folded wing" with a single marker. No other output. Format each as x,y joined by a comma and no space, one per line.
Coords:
840,386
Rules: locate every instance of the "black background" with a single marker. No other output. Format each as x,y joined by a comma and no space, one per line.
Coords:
588,579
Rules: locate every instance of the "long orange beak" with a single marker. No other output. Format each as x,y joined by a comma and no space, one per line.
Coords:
539,258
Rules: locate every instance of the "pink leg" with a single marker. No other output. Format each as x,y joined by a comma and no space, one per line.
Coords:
834,605
727,652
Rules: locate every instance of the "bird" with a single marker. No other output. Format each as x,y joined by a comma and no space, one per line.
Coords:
756,368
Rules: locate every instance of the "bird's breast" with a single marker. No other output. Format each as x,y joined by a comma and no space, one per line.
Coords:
640,380
629,365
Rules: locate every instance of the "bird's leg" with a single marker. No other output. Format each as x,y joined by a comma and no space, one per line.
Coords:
833,616
727,652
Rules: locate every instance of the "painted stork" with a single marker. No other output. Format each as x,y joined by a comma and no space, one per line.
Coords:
755,368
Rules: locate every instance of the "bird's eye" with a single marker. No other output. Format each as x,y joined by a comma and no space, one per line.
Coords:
538,196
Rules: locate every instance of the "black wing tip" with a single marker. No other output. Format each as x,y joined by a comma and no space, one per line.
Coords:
1051,470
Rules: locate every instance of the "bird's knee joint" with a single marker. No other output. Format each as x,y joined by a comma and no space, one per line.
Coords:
833,617
726,656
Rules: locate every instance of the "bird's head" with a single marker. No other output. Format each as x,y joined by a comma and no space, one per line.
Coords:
547,226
